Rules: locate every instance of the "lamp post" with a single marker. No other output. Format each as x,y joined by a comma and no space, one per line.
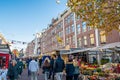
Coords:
58,1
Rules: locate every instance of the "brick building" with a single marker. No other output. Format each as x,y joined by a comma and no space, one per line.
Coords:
74,34
30,48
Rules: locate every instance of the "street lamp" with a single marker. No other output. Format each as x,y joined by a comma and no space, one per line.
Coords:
58,1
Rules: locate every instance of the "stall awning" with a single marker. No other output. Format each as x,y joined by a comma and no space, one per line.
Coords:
111,45
4,50
77,51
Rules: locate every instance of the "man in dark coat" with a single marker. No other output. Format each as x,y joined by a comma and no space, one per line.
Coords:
28,61
59,66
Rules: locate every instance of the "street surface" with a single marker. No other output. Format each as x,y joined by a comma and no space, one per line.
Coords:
25,76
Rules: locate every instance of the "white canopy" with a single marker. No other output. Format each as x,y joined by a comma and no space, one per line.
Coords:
111,45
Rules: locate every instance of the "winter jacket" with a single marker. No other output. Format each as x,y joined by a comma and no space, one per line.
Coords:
20,66
33,66
69,69
12,72
59,65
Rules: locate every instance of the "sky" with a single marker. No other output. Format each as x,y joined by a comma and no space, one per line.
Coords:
20,19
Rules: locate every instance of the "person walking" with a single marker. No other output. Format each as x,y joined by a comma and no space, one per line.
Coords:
52,61
46,68
28,61
59,66
76,69
69,69
13,70
40,62
34,69
20,66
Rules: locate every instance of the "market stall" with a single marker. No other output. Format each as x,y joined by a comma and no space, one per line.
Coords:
5,55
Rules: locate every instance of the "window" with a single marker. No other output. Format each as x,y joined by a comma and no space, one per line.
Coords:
79,42
73,28
85,40
67,40
78,29
78,18
102,37
71,16
68,19
92,39
89,28
84,27
67,30
73,40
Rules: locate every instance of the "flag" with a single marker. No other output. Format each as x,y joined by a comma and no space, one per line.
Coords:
59,39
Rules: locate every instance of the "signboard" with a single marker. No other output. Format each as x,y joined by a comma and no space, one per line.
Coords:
4,46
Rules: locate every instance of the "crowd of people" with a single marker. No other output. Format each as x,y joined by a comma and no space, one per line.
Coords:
57,68
53,68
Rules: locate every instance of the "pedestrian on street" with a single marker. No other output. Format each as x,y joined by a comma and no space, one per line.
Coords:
59,66
28,61
77,70
69,69
40,62
20,66
52,61
46,68
34,69
13,70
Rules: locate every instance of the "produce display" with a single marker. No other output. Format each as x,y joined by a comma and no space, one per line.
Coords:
108,71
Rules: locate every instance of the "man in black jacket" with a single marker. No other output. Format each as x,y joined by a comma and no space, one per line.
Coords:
59,66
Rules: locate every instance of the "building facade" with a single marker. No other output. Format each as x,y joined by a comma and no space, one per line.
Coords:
2,39
68,31
30,48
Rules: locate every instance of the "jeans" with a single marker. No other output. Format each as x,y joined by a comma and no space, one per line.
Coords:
46,75
59,75
76,76
34,76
